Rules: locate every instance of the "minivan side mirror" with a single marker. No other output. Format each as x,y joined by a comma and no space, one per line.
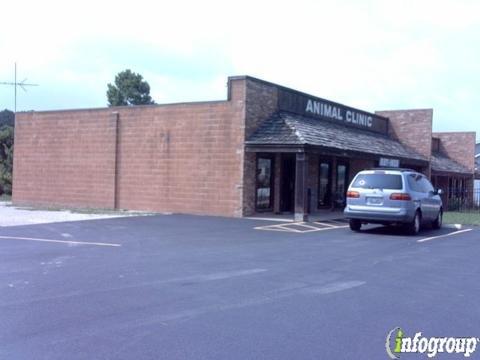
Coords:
438,192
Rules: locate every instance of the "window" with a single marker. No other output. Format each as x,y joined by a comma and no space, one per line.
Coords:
378,181
324,184
264,191
341,184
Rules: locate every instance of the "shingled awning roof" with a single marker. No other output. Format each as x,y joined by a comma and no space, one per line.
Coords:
441,163
290,129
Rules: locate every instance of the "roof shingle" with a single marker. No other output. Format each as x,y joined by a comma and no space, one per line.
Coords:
441,163
290,129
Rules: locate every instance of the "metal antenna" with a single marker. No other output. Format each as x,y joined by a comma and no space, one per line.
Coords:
16,84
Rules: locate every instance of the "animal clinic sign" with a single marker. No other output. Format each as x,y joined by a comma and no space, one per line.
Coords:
336,112
306,105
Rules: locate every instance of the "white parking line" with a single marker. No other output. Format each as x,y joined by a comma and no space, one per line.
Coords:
268,219
444,235
59,241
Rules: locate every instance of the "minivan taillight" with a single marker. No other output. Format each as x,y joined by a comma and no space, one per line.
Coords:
400,196
353,194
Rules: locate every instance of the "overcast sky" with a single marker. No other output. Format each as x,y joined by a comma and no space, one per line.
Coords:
373,55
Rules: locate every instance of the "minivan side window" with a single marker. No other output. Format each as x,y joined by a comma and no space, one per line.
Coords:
419,183
426,185
414,182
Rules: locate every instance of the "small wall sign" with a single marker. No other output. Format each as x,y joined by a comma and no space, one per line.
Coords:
386,162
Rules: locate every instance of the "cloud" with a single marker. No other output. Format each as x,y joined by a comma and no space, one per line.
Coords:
370,54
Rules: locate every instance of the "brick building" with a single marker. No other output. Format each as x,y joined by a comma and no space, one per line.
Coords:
266,148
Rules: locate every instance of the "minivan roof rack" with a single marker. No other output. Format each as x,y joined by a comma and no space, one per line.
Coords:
392,168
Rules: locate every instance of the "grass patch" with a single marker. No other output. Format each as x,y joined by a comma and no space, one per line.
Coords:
464,218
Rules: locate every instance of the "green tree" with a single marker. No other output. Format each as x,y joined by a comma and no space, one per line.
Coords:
129,89
7,117
6,158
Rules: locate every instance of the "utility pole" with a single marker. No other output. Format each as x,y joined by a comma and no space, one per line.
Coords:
16,84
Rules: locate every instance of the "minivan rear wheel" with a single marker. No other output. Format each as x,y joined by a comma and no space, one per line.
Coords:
413,228
355,225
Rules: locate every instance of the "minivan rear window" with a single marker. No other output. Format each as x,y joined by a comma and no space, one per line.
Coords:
378,181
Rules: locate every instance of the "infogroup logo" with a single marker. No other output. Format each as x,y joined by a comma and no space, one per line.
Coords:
397,343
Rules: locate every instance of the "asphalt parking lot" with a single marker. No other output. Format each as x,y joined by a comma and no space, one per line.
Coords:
190,287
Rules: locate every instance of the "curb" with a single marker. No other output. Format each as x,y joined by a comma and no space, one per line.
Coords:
453,226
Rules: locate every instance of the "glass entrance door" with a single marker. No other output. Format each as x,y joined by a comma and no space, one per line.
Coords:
264,188
341,184
324,184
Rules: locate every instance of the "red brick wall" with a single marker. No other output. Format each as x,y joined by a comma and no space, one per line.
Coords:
181,158
185,158
64,158
261,102
459,146
412,128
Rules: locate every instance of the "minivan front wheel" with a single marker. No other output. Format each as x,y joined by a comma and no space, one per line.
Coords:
413,228
355,225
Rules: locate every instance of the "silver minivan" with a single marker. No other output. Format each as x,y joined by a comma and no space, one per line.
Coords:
393,197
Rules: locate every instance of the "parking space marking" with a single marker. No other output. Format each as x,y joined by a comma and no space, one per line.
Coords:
336,227
303,227
337,222
324,224
306,225
282,227
444,235
276,228
71,242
